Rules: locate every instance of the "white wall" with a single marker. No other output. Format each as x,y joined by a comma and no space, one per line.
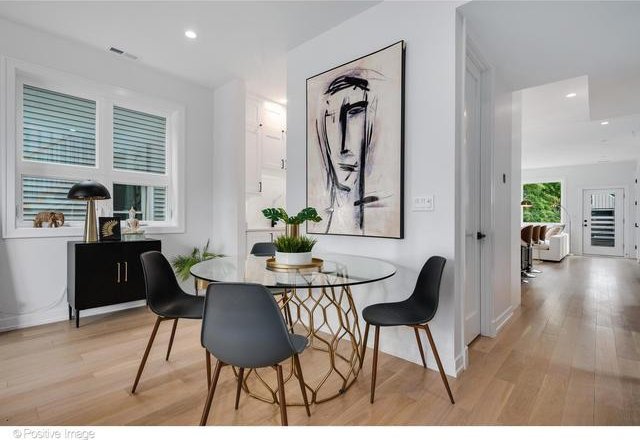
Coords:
228,169
429,32
577,178
33,271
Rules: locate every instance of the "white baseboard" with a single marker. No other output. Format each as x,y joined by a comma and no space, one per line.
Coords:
501,320
59,314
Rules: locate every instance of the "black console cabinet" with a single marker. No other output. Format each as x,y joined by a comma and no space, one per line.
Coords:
105,273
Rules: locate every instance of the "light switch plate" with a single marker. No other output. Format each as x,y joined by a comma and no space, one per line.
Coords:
423,203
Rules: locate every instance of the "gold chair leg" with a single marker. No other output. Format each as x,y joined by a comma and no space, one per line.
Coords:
240,377
173,334
207,357
281,399
435,354
159,319
364,344
424,362
374,370
296,362
212,390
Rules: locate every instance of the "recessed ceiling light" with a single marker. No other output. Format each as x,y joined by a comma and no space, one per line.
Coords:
571,95
604,123
190,34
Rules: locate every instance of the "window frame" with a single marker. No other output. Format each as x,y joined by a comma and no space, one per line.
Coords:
13,75
533,180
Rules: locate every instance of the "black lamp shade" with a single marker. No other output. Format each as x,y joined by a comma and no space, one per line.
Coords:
88,190
526,204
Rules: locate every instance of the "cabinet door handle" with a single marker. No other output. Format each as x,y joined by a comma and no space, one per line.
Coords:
118,281
126,271
259,186
282,164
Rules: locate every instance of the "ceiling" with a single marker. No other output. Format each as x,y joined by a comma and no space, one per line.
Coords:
555,48
235,39
559,131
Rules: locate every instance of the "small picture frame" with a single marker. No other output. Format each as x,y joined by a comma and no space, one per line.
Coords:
109,228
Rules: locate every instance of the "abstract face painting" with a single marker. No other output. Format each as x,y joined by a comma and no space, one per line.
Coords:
354,146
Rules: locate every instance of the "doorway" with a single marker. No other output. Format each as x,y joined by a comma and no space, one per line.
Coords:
603,222
471,172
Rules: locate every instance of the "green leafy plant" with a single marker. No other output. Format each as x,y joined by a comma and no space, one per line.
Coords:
294,245
545,198
279,214
182,263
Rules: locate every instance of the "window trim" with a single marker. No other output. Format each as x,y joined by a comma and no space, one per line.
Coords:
13,73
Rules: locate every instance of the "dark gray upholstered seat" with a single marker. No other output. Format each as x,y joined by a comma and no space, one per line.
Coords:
244,327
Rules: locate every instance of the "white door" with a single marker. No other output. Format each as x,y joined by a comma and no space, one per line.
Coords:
603,222
253,175
471,201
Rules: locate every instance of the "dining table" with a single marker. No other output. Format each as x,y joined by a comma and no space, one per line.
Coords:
317,302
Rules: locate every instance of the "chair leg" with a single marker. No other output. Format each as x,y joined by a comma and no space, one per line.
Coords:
240,377
424,362
374,369
364,344
173,333
296,362
435,354
159,319
212,390
281,399
207,357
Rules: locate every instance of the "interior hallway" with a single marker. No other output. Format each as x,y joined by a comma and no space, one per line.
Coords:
570,355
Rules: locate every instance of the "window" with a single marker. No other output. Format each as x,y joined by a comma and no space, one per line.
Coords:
67,130
545,199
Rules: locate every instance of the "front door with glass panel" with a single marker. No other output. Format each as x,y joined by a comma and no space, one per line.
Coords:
603,222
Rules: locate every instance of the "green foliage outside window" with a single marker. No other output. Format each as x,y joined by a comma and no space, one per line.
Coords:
545,198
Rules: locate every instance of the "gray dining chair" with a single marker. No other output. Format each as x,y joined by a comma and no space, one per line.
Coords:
263,249
415,311
168,301
243,327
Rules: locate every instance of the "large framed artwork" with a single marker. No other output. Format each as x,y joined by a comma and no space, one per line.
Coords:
355,151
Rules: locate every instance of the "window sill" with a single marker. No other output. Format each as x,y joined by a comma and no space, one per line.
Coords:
77,231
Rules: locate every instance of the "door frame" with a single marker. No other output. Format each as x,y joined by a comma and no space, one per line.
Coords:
486,193
625,216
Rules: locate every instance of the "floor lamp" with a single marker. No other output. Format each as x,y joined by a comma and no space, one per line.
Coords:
568,217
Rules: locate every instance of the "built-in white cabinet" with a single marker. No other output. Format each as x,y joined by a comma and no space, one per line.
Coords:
265,141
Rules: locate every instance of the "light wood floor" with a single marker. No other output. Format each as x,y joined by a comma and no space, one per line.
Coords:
570,355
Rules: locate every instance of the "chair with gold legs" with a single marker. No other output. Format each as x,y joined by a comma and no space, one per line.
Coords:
168,301
416,312
244,327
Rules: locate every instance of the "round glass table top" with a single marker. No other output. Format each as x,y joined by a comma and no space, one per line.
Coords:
336,270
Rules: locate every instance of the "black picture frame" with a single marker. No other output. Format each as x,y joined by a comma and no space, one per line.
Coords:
109,229
401,234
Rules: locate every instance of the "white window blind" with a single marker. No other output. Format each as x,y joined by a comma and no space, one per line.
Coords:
139,141
47,194
58,128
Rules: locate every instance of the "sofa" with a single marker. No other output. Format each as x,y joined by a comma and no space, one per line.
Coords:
554,248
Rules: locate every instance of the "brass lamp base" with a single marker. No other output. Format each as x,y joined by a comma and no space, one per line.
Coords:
90,228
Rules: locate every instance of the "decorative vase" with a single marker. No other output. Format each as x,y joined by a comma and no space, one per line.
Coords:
292,230
294,259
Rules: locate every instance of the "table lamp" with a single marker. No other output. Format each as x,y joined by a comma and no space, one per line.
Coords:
90,191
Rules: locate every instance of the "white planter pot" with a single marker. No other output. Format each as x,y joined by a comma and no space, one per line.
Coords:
298,258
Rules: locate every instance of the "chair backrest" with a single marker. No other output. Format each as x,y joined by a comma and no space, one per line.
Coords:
265,249
543,233
535,234
160,282
243,326
525,233
426,294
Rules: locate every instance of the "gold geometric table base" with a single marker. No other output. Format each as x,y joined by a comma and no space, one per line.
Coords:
328,318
